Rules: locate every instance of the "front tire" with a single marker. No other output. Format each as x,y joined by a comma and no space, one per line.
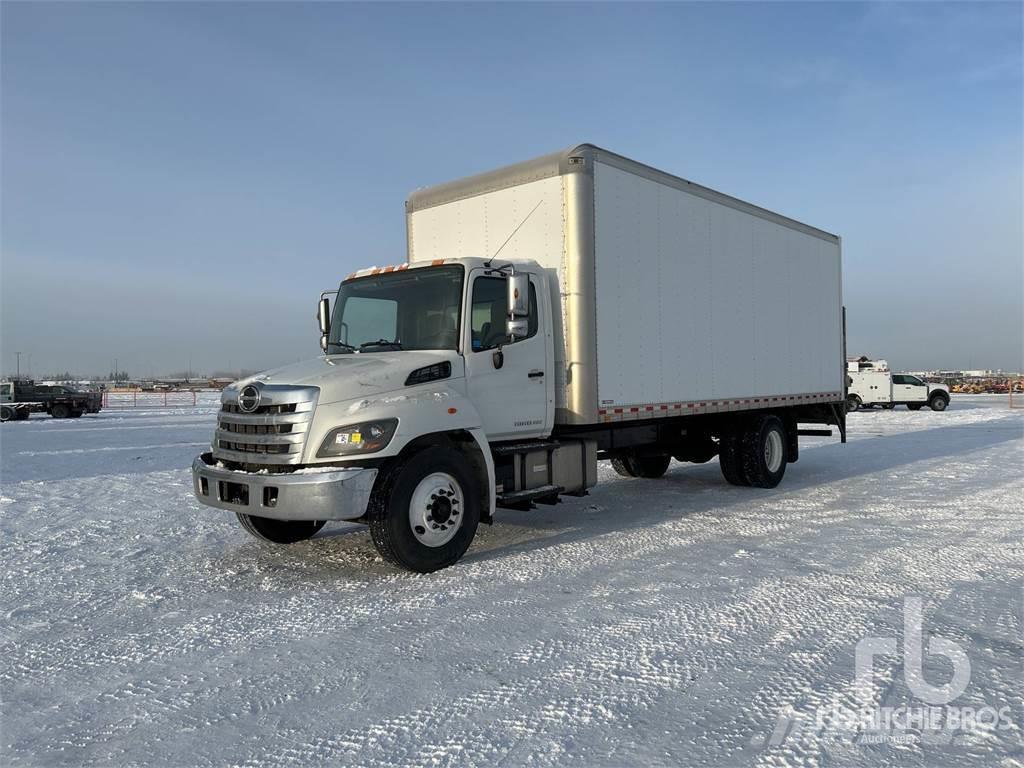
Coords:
423,517
279,531
60,411
938,403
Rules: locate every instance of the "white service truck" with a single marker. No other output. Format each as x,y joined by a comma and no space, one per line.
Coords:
872,383
576,307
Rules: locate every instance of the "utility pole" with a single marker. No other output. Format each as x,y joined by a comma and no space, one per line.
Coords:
18,375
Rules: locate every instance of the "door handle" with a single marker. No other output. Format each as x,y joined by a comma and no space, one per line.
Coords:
535,374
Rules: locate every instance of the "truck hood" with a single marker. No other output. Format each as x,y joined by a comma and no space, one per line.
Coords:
356,375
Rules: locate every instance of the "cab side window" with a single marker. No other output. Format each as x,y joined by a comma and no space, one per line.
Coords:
489,313
897,379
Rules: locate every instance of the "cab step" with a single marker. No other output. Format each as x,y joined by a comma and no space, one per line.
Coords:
525,499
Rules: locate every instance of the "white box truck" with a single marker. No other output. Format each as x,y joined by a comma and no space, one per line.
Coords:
872,383
577,307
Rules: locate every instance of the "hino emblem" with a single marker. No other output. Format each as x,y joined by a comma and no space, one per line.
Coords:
248,399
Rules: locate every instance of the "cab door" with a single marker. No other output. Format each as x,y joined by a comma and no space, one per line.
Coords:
515,400
909,389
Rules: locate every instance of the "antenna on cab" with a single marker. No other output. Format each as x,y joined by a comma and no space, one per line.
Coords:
487,264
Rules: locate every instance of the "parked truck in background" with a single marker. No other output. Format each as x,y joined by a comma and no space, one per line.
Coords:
576,307
10,408
21,398
871,383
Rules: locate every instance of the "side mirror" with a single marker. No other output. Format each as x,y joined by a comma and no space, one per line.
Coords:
323,316
518,305
518,295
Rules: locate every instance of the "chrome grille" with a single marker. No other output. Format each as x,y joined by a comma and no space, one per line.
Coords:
256,429
274,433
263,409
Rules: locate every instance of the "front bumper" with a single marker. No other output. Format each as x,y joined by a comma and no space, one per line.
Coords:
327,494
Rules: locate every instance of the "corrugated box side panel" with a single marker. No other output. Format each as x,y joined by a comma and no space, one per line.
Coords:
700,301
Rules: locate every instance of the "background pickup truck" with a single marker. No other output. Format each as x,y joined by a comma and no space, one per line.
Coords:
872,383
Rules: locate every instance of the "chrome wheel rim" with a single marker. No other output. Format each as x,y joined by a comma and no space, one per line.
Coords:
436,509
773,451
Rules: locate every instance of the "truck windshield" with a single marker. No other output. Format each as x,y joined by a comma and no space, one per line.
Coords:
412,309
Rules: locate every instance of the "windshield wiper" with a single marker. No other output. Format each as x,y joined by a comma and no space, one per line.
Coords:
342,344
396,344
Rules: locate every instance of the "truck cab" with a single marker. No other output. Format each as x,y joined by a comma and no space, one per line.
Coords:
10,408
441,364
458,314
914,393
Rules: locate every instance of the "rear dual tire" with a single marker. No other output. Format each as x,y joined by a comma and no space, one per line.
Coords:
755,453
730,461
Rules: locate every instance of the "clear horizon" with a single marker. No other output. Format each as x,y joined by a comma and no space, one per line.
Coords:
180,181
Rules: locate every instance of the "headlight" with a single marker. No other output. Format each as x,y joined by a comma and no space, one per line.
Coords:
367,437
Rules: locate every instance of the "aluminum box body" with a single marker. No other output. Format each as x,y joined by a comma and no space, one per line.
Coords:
674,298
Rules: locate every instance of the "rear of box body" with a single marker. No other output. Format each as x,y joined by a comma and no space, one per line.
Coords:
674,298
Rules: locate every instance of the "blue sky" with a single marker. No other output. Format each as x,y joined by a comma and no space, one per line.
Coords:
181,180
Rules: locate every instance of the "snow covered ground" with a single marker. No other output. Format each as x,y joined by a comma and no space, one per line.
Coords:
678,621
